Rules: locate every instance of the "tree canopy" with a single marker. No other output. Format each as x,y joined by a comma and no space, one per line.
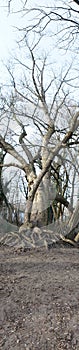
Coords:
41,97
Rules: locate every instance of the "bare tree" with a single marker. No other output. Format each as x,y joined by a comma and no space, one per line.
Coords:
41,99
64,14
54,139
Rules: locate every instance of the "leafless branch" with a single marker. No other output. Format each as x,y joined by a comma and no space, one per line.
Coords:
10,149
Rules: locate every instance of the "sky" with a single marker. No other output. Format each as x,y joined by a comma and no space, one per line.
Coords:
8,36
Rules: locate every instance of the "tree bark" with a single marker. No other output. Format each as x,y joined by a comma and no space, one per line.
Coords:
41,200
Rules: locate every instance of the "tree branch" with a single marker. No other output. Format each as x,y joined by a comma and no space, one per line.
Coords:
77,2
10,149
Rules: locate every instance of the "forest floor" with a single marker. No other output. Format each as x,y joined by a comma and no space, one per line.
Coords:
39,299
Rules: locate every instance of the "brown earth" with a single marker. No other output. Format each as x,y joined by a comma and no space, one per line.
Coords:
39,299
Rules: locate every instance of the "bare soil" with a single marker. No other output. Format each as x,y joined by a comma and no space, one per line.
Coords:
39,299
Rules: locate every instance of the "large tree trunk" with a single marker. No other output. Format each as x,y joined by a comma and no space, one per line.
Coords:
38,209
73,227
44,177
48,195
38,204
74,220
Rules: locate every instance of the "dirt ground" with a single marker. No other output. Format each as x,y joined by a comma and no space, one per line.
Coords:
39,299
